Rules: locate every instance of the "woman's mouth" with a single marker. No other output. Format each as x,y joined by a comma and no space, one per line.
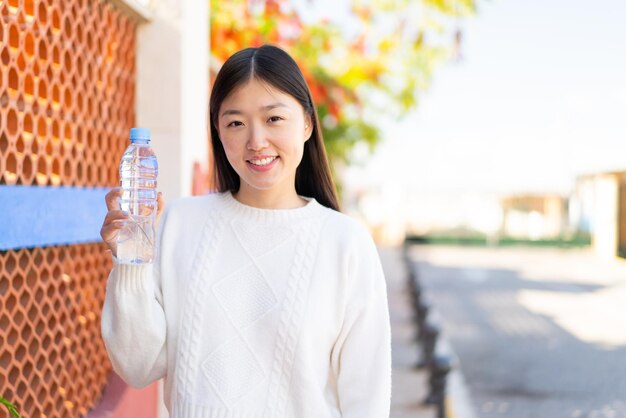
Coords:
262,164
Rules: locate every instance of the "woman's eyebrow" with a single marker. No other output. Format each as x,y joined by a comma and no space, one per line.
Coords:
267,107
231,112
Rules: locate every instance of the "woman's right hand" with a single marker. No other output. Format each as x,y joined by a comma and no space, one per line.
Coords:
116,218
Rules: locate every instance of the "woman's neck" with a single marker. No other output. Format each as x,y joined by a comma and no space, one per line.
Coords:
266,199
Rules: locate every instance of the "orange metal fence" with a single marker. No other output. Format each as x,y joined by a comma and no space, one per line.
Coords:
66,104
53,362
67,95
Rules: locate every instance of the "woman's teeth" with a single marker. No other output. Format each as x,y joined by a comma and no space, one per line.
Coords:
263,161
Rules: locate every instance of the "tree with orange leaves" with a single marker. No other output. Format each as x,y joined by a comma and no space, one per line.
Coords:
377,67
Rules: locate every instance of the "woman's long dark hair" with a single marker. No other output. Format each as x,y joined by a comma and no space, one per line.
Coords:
275,67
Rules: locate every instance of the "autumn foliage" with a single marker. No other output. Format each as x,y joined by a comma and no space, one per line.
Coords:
377,67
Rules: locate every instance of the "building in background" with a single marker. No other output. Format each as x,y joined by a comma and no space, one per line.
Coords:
593,213
534,216
599,203
76,75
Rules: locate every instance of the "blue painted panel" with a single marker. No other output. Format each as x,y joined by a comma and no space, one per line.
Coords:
33,216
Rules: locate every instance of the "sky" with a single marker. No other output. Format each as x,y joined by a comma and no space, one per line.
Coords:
538,98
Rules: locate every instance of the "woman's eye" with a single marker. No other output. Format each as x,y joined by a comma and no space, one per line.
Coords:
275,118
235,123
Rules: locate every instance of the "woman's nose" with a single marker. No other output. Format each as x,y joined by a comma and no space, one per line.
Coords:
257,139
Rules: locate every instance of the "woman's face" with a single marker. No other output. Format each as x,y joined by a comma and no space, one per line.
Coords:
263,132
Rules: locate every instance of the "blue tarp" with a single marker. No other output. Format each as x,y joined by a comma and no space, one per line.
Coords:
32,216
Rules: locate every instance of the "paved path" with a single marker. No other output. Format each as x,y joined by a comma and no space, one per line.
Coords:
409,386
539,332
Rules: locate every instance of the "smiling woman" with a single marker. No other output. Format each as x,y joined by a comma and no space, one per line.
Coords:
263,132
263,296
263,94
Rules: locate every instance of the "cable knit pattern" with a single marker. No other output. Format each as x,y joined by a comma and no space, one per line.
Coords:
192,320
245,284
255,313
295,302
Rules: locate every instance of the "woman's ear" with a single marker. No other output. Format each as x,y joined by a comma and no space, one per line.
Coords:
308,127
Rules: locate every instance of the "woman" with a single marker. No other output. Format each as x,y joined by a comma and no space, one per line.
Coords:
264,300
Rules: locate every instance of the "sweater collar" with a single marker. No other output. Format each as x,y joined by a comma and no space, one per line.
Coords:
236,208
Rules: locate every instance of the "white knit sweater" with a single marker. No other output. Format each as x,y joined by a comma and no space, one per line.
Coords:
255,313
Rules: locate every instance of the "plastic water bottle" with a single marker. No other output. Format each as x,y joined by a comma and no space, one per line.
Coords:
138,178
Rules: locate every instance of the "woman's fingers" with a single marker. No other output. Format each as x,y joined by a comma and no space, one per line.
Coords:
110,232
114,219
112,222
112,198
114,215
160,206
160,203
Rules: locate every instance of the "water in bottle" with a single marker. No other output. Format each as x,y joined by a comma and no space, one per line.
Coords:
138,178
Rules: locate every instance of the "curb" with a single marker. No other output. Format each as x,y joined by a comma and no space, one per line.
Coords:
458,399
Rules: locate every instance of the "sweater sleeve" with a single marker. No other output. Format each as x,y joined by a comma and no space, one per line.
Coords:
364,345
133,322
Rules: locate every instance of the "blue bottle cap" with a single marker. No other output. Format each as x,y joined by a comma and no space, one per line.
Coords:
141,135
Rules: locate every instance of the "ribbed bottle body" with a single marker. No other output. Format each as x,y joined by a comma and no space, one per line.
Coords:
138,178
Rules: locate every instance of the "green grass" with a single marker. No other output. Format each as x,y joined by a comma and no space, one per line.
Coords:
481,240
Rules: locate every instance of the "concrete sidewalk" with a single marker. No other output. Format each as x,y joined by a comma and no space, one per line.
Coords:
409,385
